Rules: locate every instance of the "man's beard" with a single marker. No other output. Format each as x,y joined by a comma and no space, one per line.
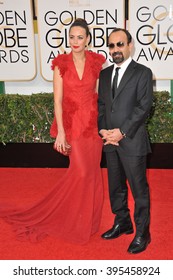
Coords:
118,57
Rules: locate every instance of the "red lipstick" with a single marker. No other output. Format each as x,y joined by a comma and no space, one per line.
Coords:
75,47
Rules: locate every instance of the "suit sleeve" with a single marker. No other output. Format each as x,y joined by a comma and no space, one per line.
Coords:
143,104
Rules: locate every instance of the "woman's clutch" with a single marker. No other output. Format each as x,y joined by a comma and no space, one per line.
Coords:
67,150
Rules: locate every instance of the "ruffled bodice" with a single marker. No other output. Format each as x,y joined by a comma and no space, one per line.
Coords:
79,96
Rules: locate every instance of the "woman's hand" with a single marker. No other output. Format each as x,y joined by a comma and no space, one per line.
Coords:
61,144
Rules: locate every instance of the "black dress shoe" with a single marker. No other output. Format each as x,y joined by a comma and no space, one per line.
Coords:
118,230
139,244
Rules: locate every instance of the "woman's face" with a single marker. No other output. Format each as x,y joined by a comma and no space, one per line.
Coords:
78,39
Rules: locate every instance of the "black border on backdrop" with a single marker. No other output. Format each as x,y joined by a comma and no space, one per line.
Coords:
43,155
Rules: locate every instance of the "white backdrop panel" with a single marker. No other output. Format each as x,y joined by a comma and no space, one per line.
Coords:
151,25
55,17
17,46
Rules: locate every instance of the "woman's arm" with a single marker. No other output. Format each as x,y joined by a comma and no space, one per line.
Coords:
60,141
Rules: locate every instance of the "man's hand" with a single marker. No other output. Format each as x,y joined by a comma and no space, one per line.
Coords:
112,136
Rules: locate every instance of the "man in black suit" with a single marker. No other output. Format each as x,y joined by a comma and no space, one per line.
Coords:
124,105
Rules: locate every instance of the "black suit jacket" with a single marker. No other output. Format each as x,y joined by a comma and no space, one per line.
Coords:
129,109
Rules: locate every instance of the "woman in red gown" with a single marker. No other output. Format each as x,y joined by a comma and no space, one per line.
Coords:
72,210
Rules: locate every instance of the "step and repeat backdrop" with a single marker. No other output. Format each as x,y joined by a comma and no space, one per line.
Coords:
54,21
17,44
17,51
151,25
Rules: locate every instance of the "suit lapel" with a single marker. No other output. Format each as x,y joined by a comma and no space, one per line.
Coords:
126,77
108,81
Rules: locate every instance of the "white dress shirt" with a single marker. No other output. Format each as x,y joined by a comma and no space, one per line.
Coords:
122,69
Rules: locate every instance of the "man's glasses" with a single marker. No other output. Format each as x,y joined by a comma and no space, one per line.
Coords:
118,44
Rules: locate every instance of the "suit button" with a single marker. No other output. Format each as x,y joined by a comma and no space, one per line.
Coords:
112,111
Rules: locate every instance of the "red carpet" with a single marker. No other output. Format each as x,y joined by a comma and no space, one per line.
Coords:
24,185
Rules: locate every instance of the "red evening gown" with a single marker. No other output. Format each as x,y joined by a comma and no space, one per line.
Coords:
72,210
